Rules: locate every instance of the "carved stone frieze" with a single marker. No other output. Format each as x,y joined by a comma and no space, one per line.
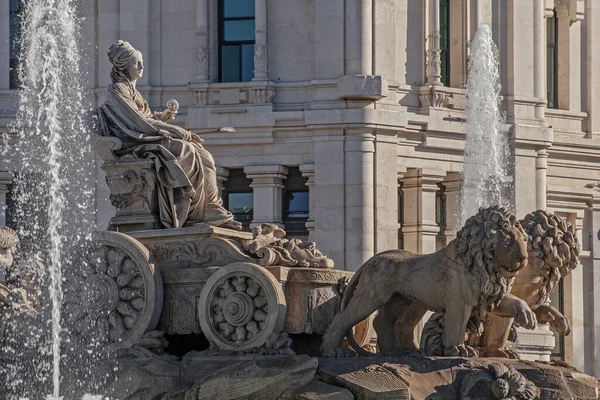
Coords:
432,98
208,252
202,53
141,183
262,95
271,248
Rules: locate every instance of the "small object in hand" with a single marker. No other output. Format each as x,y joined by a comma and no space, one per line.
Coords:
173,105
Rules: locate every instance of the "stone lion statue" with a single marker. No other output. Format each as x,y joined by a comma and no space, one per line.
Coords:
553,253
467,279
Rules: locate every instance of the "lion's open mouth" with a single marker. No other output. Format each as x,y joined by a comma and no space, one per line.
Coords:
509,270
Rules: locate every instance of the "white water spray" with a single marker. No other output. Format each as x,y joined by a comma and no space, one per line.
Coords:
54,144
486,174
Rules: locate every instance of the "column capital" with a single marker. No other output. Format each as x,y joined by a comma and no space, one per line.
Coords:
266,174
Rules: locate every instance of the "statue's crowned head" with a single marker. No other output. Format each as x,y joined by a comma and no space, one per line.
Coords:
126,61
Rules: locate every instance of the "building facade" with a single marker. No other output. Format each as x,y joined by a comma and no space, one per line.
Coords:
349,117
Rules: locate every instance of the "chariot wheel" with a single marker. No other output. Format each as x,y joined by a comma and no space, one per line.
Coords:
240,306
113,294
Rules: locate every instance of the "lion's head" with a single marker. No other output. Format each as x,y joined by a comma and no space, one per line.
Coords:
553,248
493,247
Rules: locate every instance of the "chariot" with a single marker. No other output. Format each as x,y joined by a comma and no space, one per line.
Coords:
243,291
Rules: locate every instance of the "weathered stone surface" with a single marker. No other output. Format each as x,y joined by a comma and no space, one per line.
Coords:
317,390
146,379
445,378
261,378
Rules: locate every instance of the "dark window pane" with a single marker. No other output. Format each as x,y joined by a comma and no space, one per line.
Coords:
241,205
14,5
230,63
238,8
15,29
444,38
238,30
14,74
247,62
297,205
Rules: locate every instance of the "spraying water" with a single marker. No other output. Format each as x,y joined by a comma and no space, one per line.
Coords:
54,190
486,174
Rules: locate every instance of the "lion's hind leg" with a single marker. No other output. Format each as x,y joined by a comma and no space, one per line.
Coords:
395,325
360,306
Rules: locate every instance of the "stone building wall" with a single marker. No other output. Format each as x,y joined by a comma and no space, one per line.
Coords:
350,91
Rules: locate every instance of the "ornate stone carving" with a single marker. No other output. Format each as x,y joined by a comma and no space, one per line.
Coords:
260,59
152,344
432,98
212,251
433,57
491,242
241,306
498,382
201,97
271,247
202,54
141,185
114,295
262,95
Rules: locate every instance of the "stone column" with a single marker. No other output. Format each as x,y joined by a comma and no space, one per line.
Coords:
593,277
308,171
541,168
359,149
267,185
329,194
592,60
386,191
539,60
359,37
222,175
420,229
433,45
261,59
6,179
203,48
452,184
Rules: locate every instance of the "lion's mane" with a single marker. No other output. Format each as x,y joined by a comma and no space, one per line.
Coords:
476,244
8,238
552,239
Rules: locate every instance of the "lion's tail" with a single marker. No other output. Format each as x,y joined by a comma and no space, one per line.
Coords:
348,293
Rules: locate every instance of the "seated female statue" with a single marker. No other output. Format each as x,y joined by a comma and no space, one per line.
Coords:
186,173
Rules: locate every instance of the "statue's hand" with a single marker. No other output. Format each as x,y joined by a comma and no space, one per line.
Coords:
167,115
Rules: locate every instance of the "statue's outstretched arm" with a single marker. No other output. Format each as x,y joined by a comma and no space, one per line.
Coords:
513,307
546,314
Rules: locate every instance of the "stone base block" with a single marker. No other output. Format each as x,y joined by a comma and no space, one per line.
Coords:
362,87
317,390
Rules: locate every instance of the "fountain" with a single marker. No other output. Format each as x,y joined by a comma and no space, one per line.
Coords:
486,175
54,192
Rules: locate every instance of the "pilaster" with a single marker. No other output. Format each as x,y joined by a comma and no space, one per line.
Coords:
452,191
420,228
433,45
359,37
267,185
308,171
541,170
222,175
203,48
359,193
261,59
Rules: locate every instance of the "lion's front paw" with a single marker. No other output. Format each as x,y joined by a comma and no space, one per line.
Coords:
499,353
524,316
339,353
461,351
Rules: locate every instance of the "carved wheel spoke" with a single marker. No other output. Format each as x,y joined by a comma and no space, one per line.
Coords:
240,306
119,297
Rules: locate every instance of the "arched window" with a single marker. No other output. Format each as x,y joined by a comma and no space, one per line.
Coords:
236,40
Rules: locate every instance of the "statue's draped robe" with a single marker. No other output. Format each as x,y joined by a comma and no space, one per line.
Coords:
187,189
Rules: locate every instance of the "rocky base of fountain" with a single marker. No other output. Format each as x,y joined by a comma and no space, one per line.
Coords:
303,377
